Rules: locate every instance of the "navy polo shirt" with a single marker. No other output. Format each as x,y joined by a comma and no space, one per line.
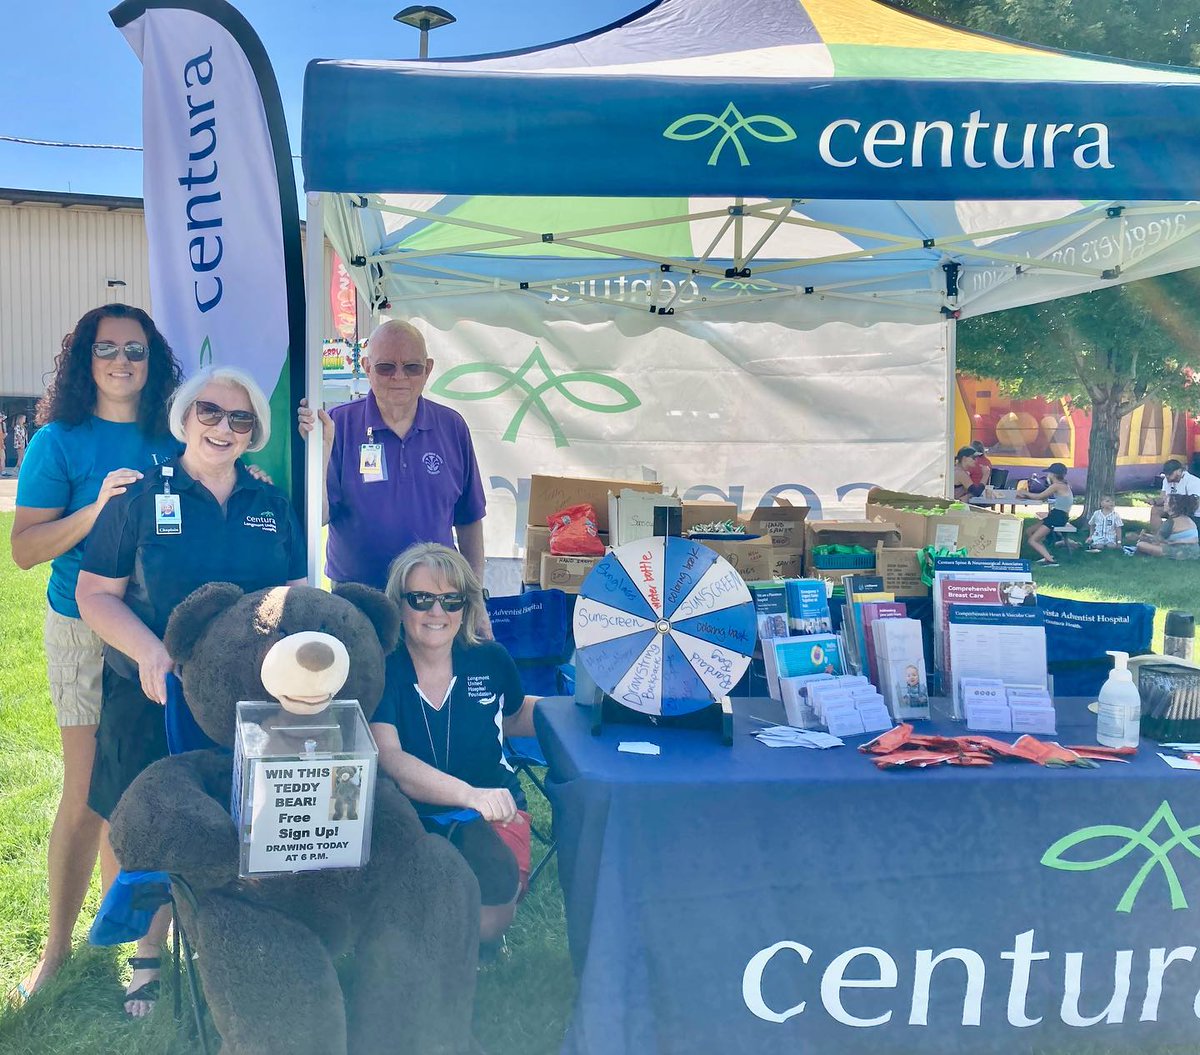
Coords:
464,736
254,542
432,486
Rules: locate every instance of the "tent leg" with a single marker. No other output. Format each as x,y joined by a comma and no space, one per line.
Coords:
951,400
314,292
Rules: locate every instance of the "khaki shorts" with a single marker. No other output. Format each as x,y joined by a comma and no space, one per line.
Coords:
75,663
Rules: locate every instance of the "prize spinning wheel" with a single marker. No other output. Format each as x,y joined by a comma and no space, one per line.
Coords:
664,626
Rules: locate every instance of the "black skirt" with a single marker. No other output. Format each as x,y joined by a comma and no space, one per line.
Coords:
131,734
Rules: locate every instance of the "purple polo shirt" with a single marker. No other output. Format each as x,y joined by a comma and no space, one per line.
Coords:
432,486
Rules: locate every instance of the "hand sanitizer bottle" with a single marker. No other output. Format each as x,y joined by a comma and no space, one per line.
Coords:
1118,722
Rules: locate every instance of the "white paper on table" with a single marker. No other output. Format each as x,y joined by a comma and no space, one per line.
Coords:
787,736
1179,763
638,747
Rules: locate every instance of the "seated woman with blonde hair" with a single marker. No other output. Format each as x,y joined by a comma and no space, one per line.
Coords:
1178,538
449,701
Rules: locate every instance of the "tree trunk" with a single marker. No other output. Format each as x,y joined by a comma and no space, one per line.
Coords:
1102,454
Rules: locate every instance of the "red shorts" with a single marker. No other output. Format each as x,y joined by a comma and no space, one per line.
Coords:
515,835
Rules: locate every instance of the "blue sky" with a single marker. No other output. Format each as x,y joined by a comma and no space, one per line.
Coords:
67,74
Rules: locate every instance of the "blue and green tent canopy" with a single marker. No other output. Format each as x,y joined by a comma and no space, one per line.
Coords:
732,152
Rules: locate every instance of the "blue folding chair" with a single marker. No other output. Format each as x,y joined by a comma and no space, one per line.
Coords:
129,906
535,628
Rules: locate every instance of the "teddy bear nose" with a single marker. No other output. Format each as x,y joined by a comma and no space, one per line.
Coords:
314,655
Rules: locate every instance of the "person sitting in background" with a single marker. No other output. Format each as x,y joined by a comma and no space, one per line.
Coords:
981,471
1176,481
1059,498
1106,526
449,701
1177,538
964,485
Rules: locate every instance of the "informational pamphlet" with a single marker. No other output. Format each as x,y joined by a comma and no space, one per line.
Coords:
999,642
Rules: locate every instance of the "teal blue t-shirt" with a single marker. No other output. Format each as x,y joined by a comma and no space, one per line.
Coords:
63,469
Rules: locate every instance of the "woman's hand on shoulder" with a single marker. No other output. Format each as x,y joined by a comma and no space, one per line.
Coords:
493,804
115,483
260,474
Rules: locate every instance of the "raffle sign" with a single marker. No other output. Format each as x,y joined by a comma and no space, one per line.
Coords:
309,814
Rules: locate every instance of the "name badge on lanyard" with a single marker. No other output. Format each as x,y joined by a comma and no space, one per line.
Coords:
167,517
371,463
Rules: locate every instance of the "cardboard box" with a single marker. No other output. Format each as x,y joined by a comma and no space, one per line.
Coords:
537,542
845,533
634,515
786,563
981,532
900,571
783,523
751,558
702,512
549,494
565,573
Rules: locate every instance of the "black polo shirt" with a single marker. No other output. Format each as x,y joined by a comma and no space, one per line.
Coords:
463,737
254,542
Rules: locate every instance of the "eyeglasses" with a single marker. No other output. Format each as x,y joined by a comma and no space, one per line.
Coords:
389,369
420,601
135,351
240,421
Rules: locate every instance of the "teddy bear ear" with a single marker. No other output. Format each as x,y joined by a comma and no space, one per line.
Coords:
193,614
377,607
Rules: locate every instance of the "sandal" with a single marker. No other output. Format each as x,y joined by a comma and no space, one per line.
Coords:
147,991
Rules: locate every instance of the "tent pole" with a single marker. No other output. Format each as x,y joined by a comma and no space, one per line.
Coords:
314,291
951,400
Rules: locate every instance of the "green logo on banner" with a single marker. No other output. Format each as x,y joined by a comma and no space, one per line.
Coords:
1160,853
534,392
206,353
697,126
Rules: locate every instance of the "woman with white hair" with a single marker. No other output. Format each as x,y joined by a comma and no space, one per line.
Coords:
201,518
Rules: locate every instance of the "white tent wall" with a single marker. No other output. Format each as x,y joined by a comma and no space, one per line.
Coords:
816,406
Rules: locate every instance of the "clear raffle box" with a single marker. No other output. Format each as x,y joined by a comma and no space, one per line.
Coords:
303,786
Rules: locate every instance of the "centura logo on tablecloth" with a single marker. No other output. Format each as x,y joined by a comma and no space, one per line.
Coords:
534,393
1132,841
698,126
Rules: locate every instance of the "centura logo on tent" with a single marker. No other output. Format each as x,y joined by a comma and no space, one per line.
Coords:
204,251
1133,840
935,143
700,125
533,400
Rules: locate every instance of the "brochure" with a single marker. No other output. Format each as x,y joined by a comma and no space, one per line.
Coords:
1000,642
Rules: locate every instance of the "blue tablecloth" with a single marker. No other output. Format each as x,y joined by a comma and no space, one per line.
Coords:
724,900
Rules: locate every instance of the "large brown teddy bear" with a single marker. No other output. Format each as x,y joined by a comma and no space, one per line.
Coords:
273,952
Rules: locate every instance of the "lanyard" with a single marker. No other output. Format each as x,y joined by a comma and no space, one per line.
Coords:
445,765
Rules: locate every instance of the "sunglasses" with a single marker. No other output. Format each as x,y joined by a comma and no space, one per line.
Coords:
135,351
420,601
240,421
389,369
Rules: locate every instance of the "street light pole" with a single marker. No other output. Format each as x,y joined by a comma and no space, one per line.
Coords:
424,19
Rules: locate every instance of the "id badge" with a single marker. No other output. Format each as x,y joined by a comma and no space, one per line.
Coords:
371,464
167,520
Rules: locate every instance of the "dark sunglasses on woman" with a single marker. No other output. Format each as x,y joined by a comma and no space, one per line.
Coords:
420,601
389,369
240,421
135,351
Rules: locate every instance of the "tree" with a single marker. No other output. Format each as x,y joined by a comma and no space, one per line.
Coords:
1160,31
1106,351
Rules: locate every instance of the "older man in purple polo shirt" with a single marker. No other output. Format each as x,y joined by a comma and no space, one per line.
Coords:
398,468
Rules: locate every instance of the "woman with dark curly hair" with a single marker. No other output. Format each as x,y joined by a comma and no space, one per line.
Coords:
104,419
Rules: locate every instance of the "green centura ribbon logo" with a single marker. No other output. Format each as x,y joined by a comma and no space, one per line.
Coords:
206,352
762,126
534,392
1159,852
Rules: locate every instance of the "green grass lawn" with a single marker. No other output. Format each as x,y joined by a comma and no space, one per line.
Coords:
524,999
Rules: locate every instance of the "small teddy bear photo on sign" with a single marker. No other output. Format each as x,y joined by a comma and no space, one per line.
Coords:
343,802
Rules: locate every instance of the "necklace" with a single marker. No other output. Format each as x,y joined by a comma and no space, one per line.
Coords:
445,766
